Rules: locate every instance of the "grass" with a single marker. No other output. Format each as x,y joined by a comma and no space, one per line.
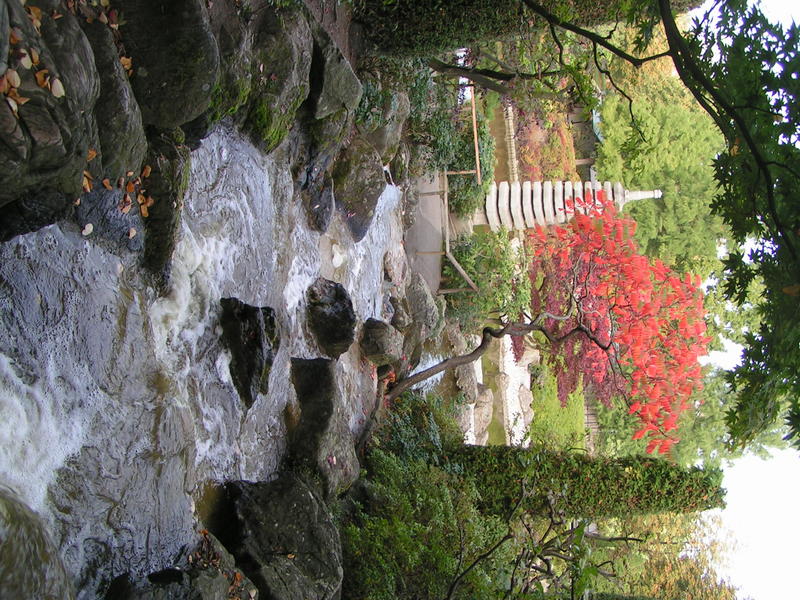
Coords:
556,426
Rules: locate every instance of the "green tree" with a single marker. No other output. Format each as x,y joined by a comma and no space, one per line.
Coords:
670,147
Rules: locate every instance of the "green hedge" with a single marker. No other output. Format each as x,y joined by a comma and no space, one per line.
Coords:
585,486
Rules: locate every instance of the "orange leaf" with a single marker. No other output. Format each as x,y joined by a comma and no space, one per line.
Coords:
91,155
146,172
107,184
42,77
130,187
144,211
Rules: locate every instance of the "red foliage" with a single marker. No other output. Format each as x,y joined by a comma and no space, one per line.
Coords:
629,325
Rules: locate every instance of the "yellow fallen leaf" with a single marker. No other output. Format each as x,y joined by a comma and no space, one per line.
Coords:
792,290
88,229
35,56
87,184
140,199
13,78
57,88
105,3
13,93
146,171
91,154
144,211
129,174
126,61
42,77
88,175
107,184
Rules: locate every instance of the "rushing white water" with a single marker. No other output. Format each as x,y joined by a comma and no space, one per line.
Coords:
118,405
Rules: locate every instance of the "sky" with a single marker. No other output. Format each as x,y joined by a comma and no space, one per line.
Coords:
763,495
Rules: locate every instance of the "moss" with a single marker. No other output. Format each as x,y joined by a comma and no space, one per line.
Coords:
227,98
270,123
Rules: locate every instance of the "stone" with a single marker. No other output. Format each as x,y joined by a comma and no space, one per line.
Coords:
175,58
283,536
386,138
100,208
359,181
422,305
32,211
30,563
119,121
207,572
45,145
484,409
251,333
381,343
331,317
334,83
319,202
321,439
169,160
401,320
280,75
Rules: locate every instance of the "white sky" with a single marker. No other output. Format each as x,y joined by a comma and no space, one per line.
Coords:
763,496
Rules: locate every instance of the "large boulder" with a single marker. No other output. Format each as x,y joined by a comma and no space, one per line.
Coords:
280,74
207,572
387,135
381,343
30,563
48,130
335,84
169,161
321,439
331,317
359,181
251,333
119,121
422,305
175,58
283,536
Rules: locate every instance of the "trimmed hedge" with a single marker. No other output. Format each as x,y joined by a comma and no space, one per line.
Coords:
584,486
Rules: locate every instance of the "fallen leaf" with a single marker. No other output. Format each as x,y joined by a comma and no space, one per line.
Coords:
150,202
15,35
14,95
126,209
88,175
35,56
105,3
88,229
12,104
42,77
146,171
129,174
140,199
25,59
57,88
102,17
290,555
87,184
91,155
77,202
130,187
131,233
144,211
107,184
56,15
120,182
792,290
13,78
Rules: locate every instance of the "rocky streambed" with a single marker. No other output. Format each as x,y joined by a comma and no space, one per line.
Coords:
201,282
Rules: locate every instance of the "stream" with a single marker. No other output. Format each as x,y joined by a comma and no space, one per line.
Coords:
117,405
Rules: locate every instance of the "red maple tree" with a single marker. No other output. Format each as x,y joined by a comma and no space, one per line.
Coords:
627,324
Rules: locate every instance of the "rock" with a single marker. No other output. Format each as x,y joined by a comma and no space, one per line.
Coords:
251,333
335,85
318,200
33,211
321,439
359,181
30,563
280,78
116,113
284,537
386,138
422,305
44,147
175,58
401,320
101,209
331,317
484,408
381,343
169,161
207,572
